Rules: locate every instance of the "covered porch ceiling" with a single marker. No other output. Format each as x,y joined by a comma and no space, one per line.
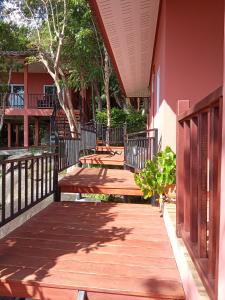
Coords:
128,28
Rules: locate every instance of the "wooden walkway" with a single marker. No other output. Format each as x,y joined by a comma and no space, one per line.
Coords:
112,251
109,149
104,159
100,181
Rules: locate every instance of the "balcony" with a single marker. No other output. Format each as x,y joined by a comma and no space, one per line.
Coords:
16,104
35,101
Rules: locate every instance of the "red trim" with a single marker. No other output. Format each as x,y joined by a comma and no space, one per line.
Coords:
96,13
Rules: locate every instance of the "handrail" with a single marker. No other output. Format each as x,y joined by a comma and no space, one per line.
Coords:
205,103
199,147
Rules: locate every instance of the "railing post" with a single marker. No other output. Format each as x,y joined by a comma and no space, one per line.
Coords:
214,184
193,180
202,184
155,147
183,105
186,190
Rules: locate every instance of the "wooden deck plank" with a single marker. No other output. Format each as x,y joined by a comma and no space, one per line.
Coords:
43,259
103,159
109,149
100,181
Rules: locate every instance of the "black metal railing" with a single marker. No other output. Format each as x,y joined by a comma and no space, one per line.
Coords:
115,135
111,135
42,100
68,153
140,147
16,100
24,182
88,136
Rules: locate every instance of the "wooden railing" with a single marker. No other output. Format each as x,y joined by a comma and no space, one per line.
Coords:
140,147
199,132
24,182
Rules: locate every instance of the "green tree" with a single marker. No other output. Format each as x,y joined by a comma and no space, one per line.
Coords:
56,29
13,38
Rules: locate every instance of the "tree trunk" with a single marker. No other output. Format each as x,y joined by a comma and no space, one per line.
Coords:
66,104
106,87
99,99
93,103
121,103
4,98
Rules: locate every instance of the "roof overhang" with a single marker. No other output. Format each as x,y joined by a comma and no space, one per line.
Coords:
128,28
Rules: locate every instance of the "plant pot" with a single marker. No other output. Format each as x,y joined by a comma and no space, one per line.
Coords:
153,200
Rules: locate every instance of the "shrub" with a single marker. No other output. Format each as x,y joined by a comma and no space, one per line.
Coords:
134,119
158,174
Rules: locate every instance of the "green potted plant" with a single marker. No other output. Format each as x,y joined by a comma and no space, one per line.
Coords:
158,176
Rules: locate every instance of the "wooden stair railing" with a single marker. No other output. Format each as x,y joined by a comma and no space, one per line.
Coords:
199,134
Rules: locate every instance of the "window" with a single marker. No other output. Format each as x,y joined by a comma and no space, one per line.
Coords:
158,90
49,89
16,98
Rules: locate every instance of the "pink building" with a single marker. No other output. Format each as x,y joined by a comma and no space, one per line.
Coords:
30,105
173,52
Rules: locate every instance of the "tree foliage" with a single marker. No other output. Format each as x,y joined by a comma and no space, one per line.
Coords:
136,121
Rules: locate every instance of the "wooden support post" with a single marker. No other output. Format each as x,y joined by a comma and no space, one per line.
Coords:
25,72
186,190
17,135
26,131
214,188
182,106
9,128
202,184
193,181
36,132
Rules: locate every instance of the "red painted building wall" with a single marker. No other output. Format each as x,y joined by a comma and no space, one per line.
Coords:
189,55
36,81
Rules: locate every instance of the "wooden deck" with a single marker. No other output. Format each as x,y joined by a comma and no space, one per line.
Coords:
104,159
109,149
100,181
112,251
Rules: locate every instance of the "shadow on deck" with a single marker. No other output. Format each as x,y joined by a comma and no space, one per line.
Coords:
112,251
100,181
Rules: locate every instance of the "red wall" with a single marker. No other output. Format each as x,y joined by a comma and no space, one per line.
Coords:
189,52
36,81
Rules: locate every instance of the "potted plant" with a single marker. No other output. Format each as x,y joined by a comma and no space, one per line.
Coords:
158,176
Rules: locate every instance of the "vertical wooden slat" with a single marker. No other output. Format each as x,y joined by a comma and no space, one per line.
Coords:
193,181
182,106
37,178
46,175
19,186
50,174
26,183
32,181
202,185
11,189
3,192
42,177
186,190
214,178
